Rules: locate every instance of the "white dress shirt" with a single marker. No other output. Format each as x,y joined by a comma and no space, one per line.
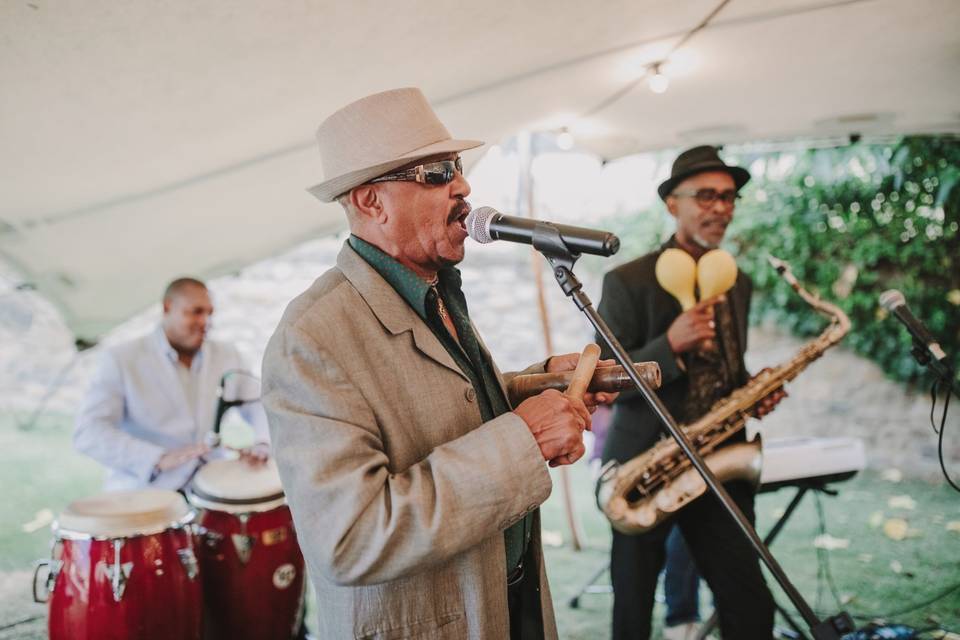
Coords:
143,402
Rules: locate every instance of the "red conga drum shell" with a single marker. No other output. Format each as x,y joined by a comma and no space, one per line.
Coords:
253,570
124,568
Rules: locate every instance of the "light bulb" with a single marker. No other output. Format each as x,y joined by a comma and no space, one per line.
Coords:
657,82
565,140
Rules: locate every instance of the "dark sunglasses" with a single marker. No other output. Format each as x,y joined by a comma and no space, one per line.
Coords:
442,172
707,197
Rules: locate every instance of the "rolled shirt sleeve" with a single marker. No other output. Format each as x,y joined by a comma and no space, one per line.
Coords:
97,431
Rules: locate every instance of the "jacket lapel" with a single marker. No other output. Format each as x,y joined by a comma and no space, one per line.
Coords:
391,310
206,388
166,370
496,370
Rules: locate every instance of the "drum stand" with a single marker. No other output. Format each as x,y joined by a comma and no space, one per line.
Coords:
547,240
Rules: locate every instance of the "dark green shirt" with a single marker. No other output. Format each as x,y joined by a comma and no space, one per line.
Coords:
468,354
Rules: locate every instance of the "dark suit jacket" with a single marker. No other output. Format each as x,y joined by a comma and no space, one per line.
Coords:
639,312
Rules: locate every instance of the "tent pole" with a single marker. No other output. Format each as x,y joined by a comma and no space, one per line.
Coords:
525,147
48,395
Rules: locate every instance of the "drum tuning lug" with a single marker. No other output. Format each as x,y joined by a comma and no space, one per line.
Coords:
189,562
55,567
211,539
118,572
243,545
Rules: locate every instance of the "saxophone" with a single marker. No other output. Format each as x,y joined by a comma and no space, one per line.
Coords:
639,494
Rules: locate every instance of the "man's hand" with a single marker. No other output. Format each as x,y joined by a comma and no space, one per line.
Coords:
694,327
557,423
176,457
568,362
255,456
768,404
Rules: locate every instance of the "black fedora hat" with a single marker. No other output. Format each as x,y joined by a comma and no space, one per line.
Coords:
697,160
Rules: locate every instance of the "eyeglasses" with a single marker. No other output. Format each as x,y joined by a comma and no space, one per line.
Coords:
436,173
707,197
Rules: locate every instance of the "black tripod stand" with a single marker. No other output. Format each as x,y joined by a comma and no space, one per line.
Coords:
547,240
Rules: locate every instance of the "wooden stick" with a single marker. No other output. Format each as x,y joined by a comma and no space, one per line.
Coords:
584,371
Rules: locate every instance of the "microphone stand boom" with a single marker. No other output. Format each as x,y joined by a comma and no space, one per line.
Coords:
548,241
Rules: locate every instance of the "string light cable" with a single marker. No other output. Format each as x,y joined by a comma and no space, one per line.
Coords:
654,68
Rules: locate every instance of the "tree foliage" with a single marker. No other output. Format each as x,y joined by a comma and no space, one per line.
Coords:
853,222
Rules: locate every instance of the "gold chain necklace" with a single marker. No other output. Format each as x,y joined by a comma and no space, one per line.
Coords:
441,308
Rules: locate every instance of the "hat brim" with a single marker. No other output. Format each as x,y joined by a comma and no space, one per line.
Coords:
329,190
740,177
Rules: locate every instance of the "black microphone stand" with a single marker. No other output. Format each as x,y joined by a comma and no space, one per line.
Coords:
223,405
547,240
944,372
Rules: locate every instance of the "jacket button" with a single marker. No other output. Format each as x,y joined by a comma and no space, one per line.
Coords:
470,394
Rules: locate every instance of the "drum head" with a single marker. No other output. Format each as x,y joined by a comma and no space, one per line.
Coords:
236,487
122,514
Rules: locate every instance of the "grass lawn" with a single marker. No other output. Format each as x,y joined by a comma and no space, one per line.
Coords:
873,575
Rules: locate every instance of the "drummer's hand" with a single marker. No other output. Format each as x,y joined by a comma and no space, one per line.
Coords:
568,362
257,455
176,457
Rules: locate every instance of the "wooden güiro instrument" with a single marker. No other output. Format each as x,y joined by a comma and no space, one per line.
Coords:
606,379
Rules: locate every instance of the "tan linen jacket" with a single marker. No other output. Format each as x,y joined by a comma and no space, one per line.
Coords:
399,492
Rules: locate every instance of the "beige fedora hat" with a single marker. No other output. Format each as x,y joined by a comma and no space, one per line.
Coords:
376,134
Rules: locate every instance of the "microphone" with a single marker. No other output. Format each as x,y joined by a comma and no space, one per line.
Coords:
486,224
893,301
213,436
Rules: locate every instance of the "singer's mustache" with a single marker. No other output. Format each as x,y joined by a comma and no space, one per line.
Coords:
459,211
716,221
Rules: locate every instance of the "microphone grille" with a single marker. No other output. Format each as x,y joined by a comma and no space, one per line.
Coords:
891,299
478,224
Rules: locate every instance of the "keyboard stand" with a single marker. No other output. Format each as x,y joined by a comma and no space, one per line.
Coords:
591,587
802,486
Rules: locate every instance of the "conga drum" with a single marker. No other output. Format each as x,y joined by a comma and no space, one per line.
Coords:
253,571
123,567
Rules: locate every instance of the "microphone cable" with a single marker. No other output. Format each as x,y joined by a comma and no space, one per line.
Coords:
934,390
824,574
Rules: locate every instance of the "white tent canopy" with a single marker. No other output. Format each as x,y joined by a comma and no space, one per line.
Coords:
142,140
